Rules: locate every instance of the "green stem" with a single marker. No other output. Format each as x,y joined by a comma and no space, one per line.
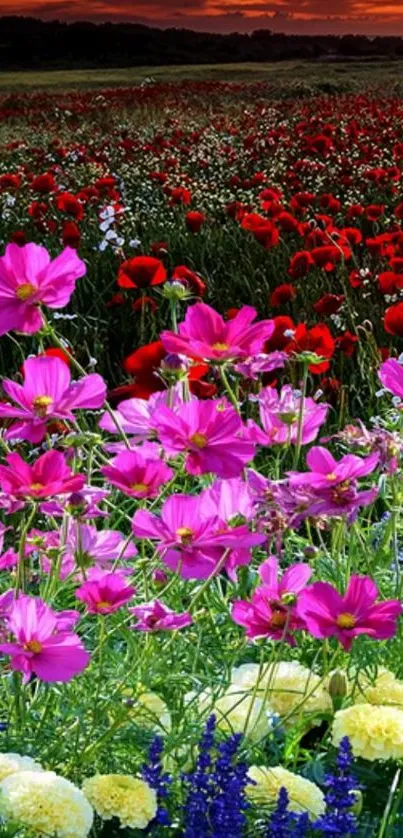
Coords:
301,416
231,395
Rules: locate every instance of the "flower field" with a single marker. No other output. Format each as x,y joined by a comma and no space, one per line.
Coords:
201,538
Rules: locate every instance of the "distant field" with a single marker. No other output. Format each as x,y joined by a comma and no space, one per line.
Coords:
354,72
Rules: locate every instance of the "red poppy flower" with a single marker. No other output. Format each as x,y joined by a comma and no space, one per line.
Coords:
9,182
329,304
195,221
374,211
71,235
18,237
282,295
355,211
145,360
117,300
68,203
356,279
288,223
236,210
231,313
144,303
318,340
393,320
263,230
352,235
190,280
284,329
396,264
159,249
347,343
330,203
300,264
141,272
179,195
389,282
329,256
55,352
44,184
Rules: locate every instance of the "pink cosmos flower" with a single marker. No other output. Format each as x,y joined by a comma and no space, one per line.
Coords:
327,613
205,335
106,594
211,434
82,505
332,485
28,278
47,394
263,617
137,476
189,542
86,545
253,367
135,416
229,500
285,590
391,376
155,616
40,645
279,415
8,559
325,471
49,475
274,609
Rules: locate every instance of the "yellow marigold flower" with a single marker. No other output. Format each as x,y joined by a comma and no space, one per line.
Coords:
122,796
238,711
304,796
11,763
385,689
149,710
45,804
291,689
374,734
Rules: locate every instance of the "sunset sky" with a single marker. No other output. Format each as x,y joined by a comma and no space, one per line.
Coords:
304,16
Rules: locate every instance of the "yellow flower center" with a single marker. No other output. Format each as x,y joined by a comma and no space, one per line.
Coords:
220,347
331,476
200,440
25,291
103,603
278,619
36,487
41,405
139,487
346,621
185,534
33,646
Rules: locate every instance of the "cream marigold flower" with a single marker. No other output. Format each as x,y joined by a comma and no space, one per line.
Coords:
122,796
373,735
238,711
45,804
292,690
11,763
149,710
304,796
384,689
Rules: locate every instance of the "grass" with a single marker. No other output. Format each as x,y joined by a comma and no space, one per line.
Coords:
286,71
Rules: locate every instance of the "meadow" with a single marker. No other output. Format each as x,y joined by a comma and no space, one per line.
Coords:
201,435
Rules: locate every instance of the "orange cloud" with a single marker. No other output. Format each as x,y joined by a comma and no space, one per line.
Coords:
316,16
